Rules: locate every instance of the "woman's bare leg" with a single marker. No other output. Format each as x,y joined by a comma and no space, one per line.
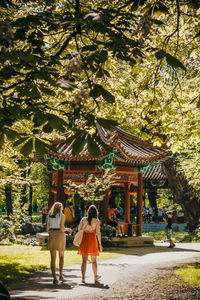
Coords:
94,265
61,261
53,263
83,266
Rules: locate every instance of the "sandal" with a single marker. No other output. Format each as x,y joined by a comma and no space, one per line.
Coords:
97,277
83,280
62,278
55,281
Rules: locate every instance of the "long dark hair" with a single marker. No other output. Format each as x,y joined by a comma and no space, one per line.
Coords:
92,213
56,208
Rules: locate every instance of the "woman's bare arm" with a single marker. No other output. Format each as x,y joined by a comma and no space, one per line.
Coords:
47,227
98,233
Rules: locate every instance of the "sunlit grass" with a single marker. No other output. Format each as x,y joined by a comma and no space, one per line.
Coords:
17,261
190,274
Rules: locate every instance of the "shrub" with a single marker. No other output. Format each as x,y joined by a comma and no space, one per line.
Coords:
107,231
7,230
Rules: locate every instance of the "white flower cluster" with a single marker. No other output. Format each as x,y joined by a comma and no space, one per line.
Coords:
74,65
144,26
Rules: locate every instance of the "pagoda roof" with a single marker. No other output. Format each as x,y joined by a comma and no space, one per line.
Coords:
154,172
130,147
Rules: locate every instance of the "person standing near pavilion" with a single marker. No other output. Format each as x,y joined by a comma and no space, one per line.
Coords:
89,245
69,213
168,222
44,213
57,240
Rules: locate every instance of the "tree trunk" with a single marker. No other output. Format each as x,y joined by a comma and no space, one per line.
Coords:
152,201
30,208
8,190
23,192
184,194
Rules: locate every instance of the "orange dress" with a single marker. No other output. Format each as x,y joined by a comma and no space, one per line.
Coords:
89,245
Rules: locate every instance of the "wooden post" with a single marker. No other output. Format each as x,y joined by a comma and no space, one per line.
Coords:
51,194
105,207
60,189
126,207
139,205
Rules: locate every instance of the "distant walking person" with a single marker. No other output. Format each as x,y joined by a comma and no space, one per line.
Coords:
89,246
44,213
168,222
57,239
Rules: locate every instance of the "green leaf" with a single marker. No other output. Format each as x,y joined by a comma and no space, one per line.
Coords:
40,146
72,137
95,92
105,146
11,134
197,35
103,54
47,91
100,73
157,22
2,139
160,54
93,148
89,48
107,95
27,148
20,141
78,144
90,119
47,128
135,5
107,123
174,62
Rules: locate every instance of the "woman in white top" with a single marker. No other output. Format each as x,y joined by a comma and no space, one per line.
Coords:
57,239
89,245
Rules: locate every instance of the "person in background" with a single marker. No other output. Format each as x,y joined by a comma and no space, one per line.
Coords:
144,213
150,213
83,211
44,213
114,222
89,245
168,222
57,239
69,213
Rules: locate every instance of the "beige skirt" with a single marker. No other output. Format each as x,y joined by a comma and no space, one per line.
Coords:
57,240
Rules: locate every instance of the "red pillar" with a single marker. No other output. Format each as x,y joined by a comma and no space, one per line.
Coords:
105,207
51,194
127,203
60,189
139,205
126,207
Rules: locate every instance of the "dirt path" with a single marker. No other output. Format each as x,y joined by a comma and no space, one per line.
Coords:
143,273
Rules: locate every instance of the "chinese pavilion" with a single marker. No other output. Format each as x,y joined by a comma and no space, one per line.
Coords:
128,158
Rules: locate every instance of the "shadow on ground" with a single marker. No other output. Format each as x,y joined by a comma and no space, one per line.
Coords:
140,251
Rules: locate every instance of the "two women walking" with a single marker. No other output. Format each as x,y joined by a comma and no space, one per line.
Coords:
57,240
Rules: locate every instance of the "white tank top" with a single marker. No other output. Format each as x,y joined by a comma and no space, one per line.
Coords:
54,222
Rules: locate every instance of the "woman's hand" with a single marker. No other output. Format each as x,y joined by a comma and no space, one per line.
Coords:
68,230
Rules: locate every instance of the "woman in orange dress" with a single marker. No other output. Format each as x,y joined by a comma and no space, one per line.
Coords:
89,244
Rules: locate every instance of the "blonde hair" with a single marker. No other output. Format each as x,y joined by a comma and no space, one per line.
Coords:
56,208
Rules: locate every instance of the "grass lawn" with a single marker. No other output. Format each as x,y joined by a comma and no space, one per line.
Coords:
17,261
190,274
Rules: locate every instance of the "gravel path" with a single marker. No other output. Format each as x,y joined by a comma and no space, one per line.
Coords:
143,273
